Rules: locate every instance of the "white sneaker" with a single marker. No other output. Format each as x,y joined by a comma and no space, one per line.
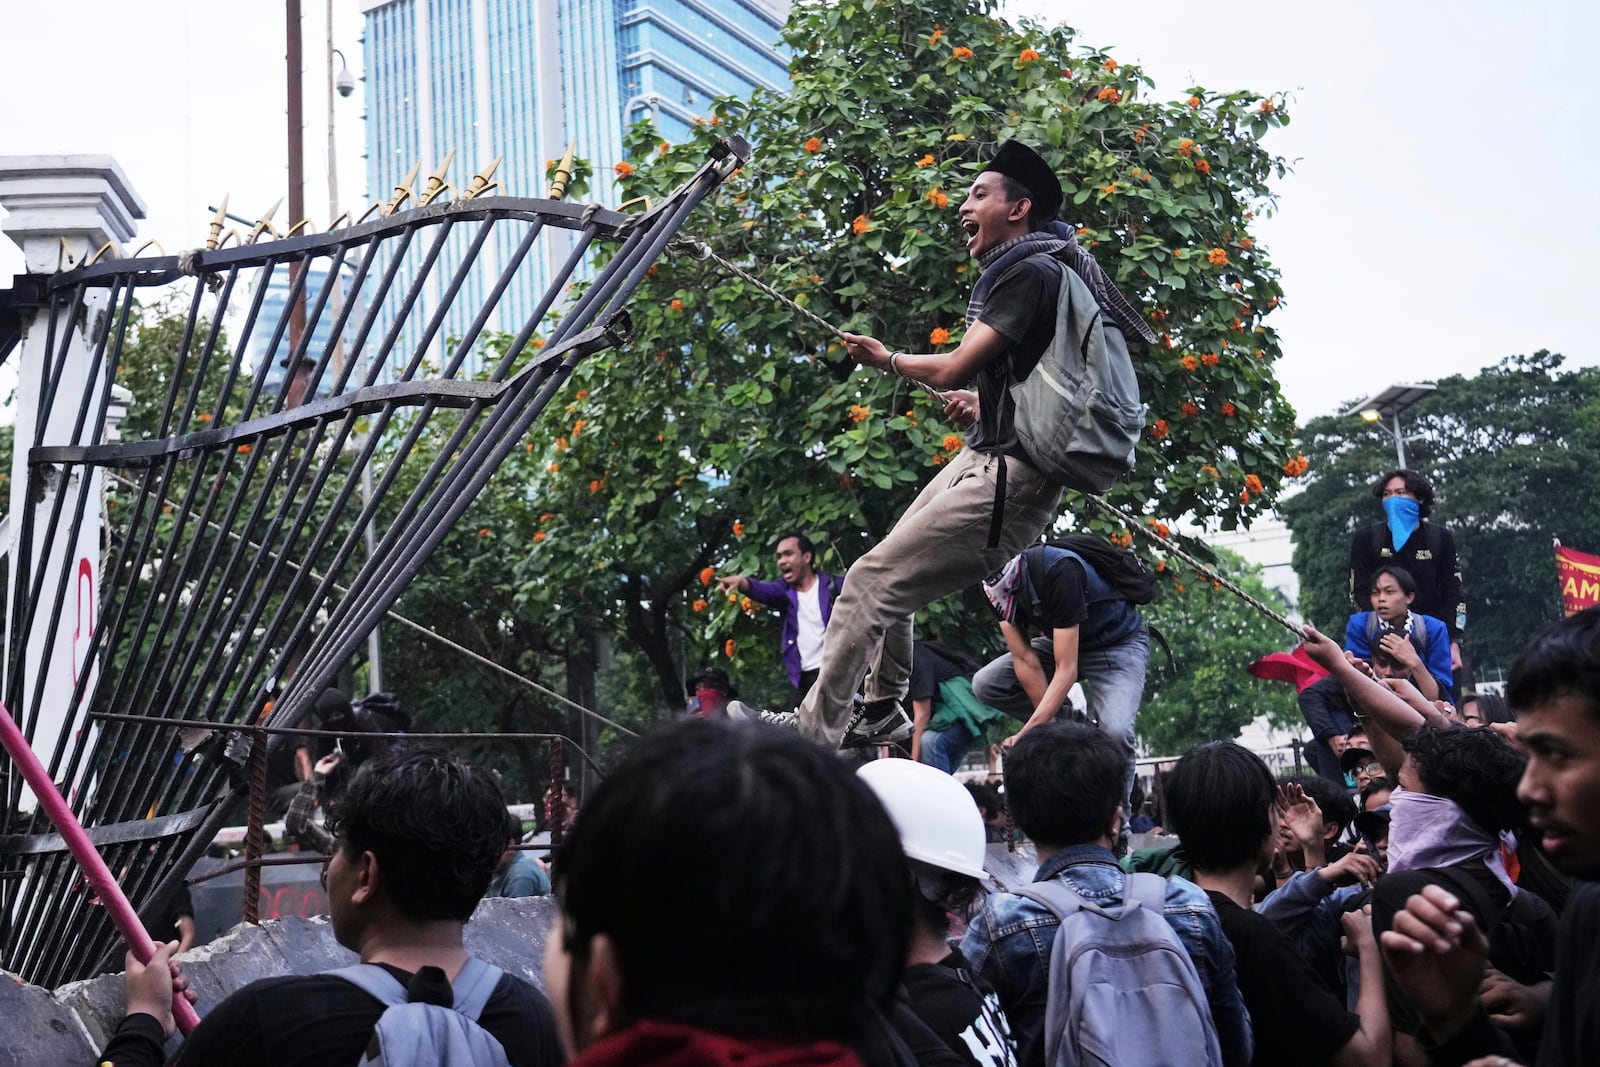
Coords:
787,720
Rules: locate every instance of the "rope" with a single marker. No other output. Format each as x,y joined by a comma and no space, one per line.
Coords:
1204,569
702,251
430,634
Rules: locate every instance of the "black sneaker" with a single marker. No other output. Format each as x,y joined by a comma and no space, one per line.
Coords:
878,722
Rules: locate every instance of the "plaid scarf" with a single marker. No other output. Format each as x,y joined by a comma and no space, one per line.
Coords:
1062,242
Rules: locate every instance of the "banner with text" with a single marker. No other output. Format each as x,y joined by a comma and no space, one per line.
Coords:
1579,573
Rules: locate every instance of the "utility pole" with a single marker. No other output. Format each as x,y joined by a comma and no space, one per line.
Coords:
297,188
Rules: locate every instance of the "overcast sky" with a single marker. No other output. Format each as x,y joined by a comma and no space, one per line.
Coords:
1442,212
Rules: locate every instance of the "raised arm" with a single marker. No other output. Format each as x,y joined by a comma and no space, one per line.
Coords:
1397,718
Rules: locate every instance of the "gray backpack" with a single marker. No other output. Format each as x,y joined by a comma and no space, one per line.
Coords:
1123,991
414,1034
1078,412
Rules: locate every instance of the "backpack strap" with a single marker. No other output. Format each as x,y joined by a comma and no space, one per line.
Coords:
1148,889
373,980
470,991
1062,900
474,986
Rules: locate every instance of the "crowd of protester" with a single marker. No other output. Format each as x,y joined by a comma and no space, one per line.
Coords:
734,894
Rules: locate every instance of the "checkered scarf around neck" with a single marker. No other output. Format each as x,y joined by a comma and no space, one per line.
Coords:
1061,241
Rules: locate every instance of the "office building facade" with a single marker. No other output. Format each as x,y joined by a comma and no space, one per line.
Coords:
524,78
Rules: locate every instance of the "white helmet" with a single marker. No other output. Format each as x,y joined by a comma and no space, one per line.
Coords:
938,820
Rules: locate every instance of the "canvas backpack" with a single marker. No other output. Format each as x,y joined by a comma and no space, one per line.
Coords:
414,1034
1123,991
1123,570
1078,414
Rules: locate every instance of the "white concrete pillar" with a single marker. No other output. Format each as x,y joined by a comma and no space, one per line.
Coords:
60,211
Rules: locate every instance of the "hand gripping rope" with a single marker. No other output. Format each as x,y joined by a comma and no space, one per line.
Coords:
701,251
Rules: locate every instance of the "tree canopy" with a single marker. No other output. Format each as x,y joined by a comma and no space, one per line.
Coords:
731,419
1513,453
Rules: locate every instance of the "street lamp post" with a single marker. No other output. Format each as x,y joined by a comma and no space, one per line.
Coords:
1389,404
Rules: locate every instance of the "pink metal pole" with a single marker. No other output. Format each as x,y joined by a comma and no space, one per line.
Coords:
88,857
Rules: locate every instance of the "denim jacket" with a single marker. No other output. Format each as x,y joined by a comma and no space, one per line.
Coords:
1010,938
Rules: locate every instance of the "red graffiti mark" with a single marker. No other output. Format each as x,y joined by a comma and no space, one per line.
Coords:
85,604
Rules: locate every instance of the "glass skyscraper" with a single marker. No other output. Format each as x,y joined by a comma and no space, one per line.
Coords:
523,78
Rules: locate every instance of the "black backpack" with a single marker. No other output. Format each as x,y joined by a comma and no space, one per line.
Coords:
1123,570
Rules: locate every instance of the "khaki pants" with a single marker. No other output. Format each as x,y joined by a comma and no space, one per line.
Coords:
936,548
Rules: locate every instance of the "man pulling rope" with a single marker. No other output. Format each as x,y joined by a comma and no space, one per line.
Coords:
990,502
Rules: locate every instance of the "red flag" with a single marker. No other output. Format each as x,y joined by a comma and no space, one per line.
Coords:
1295,667
1579,574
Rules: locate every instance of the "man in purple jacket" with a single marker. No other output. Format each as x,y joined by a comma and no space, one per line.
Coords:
804,601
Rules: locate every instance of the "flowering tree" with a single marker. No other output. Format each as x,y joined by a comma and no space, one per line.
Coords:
733,419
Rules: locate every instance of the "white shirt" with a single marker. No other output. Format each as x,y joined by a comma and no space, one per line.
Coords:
809,618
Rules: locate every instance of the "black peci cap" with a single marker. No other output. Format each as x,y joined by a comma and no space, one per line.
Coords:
1022,164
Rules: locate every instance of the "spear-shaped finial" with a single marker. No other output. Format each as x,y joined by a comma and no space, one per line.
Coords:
481,182
402,192
436,183
563,174
264,223
217,222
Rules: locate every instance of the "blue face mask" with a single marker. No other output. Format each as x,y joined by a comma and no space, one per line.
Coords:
1405,515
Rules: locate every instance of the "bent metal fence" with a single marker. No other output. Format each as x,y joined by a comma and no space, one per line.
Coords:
235,581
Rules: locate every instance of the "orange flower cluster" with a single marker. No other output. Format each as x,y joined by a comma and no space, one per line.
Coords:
1228,409
1162,529
661,149
1253,483
926,161
1109,189
486,532
1194,101
1108,95
962,53
738,529
623,169
1190,409
1238,326
1158,429
539,535
730,648
707,574
861,224
939,336
813,144
936,36
583,394
561,444
553,467
1138,135
938,458
747,605
859,412
1211,359
596,484
1122,539
1111,64
204,416
1185,147
699,606
952,443
1296,466
677,305
546,517
577,428
538,342
1158,316
937,198
1203,166
1268,107
1190,363
1212,471
1218,257
1028,56
1246,244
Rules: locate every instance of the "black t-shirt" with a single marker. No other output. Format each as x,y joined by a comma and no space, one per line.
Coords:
322,1021
1295,1016
961,1009
1022,308
1060,592
928,670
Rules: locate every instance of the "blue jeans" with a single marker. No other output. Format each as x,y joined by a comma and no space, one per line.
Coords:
1112,676
944,748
